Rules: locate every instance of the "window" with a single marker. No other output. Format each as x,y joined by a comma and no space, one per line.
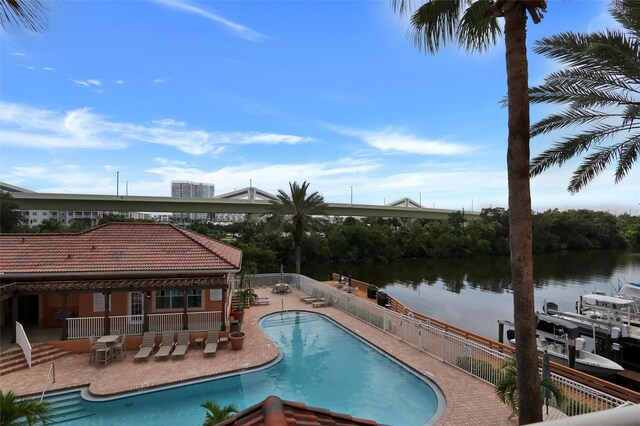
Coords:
172,299
98,302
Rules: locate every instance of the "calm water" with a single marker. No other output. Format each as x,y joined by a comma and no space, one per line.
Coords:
322,365
475,293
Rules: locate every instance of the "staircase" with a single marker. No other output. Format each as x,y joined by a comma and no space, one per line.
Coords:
67,406
13,359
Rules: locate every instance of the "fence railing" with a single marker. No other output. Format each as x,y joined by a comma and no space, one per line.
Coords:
471,353
23,341
132,325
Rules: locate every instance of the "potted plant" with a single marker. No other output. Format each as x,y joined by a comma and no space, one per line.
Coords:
244,296
237,340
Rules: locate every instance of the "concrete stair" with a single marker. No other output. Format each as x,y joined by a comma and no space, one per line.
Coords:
13,359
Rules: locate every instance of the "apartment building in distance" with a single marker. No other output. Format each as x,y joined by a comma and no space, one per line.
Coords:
188,189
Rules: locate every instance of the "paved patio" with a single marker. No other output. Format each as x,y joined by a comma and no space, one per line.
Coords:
469,400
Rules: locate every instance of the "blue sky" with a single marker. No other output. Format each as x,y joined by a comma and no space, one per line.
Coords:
228,92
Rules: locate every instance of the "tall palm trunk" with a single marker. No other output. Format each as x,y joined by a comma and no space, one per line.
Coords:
520,221
298,250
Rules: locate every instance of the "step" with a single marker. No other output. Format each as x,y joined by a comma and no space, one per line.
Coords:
42,353
67,407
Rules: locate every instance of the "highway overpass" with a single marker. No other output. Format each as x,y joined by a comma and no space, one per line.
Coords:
118,203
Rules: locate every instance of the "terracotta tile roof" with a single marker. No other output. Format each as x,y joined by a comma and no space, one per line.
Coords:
116,247
275,412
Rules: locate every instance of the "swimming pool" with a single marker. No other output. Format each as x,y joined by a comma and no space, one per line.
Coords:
322,365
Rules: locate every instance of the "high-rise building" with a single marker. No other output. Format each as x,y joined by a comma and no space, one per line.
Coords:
187,189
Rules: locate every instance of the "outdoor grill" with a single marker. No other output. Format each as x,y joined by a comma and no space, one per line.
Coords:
383,298
372,291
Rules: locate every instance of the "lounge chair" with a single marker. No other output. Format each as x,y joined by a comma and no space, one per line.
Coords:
147,346
182,344
166,345
211,344
320,302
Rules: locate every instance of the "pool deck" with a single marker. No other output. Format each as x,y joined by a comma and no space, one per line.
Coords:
469,400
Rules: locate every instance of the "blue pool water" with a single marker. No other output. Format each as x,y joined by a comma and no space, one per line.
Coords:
322,365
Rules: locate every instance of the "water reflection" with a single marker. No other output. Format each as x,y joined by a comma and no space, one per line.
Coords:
475,293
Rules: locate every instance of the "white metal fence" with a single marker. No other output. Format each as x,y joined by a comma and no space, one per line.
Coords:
474,358
132,325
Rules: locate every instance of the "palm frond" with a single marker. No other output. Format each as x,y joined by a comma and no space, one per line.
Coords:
628,157
477,30
563,151
548,384
435,23
611,51
568,118
583,80
592,165
627,13
30,14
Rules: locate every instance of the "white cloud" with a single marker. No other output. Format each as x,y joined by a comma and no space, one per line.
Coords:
25,126
20,54
119,82
159,81
170,122
392,139
273,138
237,29
50,69
94,82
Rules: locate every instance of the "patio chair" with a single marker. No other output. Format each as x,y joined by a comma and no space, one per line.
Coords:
182,344
166,346
119,348
147,346
92,349
103,353
211,344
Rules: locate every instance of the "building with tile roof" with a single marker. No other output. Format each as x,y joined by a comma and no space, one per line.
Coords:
274,411
117,269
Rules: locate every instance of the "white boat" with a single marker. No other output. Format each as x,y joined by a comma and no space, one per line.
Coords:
617,310
555,335
631,291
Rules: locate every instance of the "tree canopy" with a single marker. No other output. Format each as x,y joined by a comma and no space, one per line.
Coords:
600,90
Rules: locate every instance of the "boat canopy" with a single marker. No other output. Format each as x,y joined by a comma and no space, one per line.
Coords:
612,301
631,290
557,326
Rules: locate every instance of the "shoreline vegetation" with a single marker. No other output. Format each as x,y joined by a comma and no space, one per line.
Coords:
360,240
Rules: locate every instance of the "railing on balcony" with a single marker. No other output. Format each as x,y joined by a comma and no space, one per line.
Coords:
132,325
23,342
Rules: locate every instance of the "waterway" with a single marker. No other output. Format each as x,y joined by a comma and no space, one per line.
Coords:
475,293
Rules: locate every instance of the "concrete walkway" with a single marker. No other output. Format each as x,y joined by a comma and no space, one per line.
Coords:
469,400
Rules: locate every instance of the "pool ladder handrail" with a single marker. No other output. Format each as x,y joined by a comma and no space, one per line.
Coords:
52,372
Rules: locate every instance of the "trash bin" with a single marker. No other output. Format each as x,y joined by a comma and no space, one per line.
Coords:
234,326
383,298
372,291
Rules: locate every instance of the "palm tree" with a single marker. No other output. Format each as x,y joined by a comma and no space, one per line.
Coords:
15,411
30,14
216,414
475,27
507,386
298,210
600,88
